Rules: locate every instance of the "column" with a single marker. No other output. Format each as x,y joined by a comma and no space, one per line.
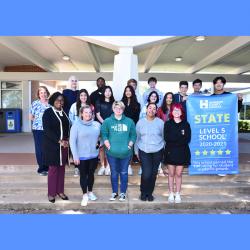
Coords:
125,67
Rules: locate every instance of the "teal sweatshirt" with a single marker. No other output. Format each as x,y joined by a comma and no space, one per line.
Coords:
119,133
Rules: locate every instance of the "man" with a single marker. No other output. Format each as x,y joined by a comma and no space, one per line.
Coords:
219,83
152,81
197,84
100,82
181,96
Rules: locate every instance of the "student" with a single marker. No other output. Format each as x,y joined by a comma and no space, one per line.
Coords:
37,110
177,135
132,110
164,110
118,134
96,95
152,81
181,96
103,111
152,98
82,100
133,83
71,93
219,83
84,143
197,84
149,149
56,126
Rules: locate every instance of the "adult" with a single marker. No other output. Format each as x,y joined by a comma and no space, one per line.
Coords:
119,135
96,95
177,135
132,110
70,93
56,126
103,111
37,110
149,149
152,81
84,143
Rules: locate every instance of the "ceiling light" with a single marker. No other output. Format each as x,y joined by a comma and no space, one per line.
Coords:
66,58
200,38
48,37
178,59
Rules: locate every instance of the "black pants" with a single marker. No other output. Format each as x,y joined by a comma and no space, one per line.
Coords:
87,169
149,163
38,139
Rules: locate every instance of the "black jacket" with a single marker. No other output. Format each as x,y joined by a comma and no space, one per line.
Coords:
52,134
177,137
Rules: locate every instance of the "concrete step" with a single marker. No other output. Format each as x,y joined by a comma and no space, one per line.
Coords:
131,205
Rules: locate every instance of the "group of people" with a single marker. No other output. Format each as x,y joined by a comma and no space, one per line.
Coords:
151,128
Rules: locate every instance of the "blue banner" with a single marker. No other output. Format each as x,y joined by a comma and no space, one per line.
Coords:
214,142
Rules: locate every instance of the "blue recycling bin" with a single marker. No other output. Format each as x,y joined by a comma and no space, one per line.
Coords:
13,120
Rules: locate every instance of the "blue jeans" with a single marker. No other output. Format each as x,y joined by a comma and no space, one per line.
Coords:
119,167
38,139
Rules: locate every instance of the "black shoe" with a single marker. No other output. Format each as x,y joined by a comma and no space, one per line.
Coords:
151,197
44,173
143,197
52,200
63,197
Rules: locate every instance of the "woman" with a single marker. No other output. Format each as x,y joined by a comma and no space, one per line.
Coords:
177,135
164,110
55,145
37,110
82,100
132,110
85,154
103,111
70,93
152,98
163,113
118,134
149,149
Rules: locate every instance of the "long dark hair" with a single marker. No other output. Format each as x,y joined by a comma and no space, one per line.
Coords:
157,97
78,101
164,105
133,99
102,98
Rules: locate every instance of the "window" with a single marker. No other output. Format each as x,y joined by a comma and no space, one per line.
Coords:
11,95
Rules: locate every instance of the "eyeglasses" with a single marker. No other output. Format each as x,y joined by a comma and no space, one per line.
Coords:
74,80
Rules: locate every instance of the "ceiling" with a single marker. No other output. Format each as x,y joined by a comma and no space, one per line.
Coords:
216,54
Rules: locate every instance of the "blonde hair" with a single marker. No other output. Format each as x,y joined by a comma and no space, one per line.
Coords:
42,88
119,104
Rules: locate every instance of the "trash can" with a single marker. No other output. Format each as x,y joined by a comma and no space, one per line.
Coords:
2,121
13,120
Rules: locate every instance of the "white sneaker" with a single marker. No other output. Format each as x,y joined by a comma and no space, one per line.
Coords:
122,197
76,172
101,171
171,198
113,196
140,171
85,200
92,196
160,171
177,198
107,170
130,170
